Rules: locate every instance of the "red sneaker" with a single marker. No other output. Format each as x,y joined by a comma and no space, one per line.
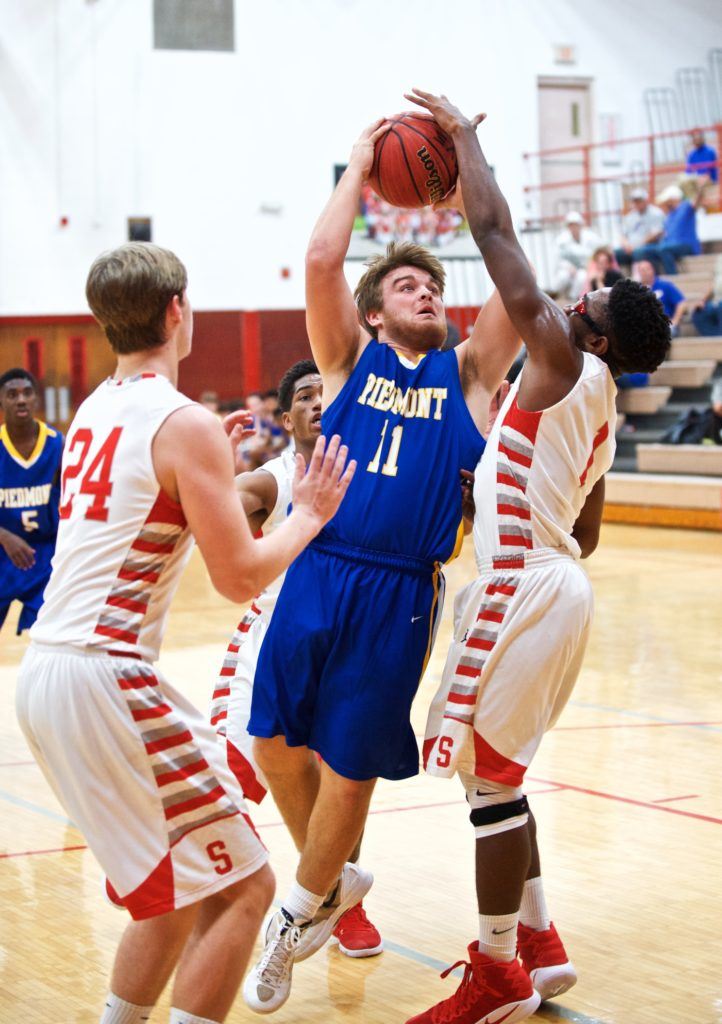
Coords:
356,935
545,960
491,992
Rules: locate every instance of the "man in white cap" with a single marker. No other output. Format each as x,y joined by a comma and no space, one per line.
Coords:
643,225
575,245
680,230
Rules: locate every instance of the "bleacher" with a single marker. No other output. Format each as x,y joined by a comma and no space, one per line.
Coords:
683,381
667,483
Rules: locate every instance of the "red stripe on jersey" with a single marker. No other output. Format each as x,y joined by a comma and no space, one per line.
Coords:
234,648
427,748
243,771
510,481
153,549
146,575
141,607
513,456
194,803
255,609
186,772
512,541
501,588
143,714
165,510
227,672
490,764
468,670
480,645
490,616
117,634
155,746
526,423
215,719
137,682
221,691
247,819
601,435
462,698
513,510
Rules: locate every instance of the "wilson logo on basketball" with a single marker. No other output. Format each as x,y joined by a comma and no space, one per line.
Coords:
433,181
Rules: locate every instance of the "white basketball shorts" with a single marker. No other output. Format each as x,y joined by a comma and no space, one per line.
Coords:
139,771
519,641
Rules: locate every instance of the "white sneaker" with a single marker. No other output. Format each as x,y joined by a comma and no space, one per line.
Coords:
268,983
353,885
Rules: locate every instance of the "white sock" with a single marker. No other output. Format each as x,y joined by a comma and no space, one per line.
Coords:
497,935
117,1011
301,904
533,911
183,1017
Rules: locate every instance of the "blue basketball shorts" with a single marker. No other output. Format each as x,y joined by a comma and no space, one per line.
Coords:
343,657
25,585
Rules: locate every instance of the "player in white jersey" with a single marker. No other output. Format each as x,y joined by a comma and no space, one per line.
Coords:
266,498
135,765
522,626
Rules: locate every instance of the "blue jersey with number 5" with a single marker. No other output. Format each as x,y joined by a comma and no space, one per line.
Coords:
30,488
411,433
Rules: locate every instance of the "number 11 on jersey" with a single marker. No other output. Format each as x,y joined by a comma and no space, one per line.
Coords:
389,467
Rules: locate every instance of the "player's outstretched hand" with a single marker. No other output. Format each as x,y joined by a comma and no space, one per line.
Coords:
239,426
319,490
362,154
443,111
18,551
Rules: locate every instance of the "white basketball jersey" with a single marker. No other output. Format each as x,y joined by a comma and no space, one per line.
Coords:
539,467
283,470
122,543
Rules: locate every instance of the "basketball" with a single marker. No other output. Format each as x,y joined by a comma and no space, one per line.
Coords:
414,162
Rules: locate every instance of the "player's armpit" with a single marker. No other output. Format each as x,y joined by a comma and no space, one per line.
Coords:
194,465
589,521
485,358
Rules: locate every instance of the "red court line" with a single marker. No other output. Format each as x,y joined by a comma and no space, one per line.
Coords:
31,853
629,800
668,799
630,725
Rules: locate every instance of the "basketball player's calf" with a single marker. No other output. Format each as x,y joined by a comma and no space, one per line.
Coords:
209,941
513,916
326,884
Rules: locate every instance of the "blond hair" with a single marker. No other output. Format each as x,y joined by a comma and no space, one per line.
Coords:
128,290
398,254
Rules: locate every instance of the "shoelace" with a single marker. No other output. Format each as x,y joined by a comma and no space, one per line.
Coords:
274,962
462,999
356,915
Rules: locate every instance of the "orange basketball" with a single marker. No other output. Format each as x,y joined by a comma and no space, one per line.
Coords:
414,162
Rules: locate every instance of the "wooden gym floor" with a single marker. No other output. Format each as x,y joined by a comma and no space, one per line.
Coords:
626,791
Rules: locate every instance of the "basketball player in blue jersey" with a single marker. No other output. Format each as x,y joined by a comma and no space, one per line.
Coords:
30,455
355,620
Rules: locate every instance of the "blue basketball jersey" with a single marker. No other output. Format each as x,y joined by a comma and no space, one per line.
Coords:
30,488
411,433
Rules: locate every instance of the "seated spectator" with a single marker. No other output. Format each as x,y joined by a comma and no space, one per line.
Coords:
575,244
680,230
602,271
278,438
702,159
643,225
707,317
668,294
